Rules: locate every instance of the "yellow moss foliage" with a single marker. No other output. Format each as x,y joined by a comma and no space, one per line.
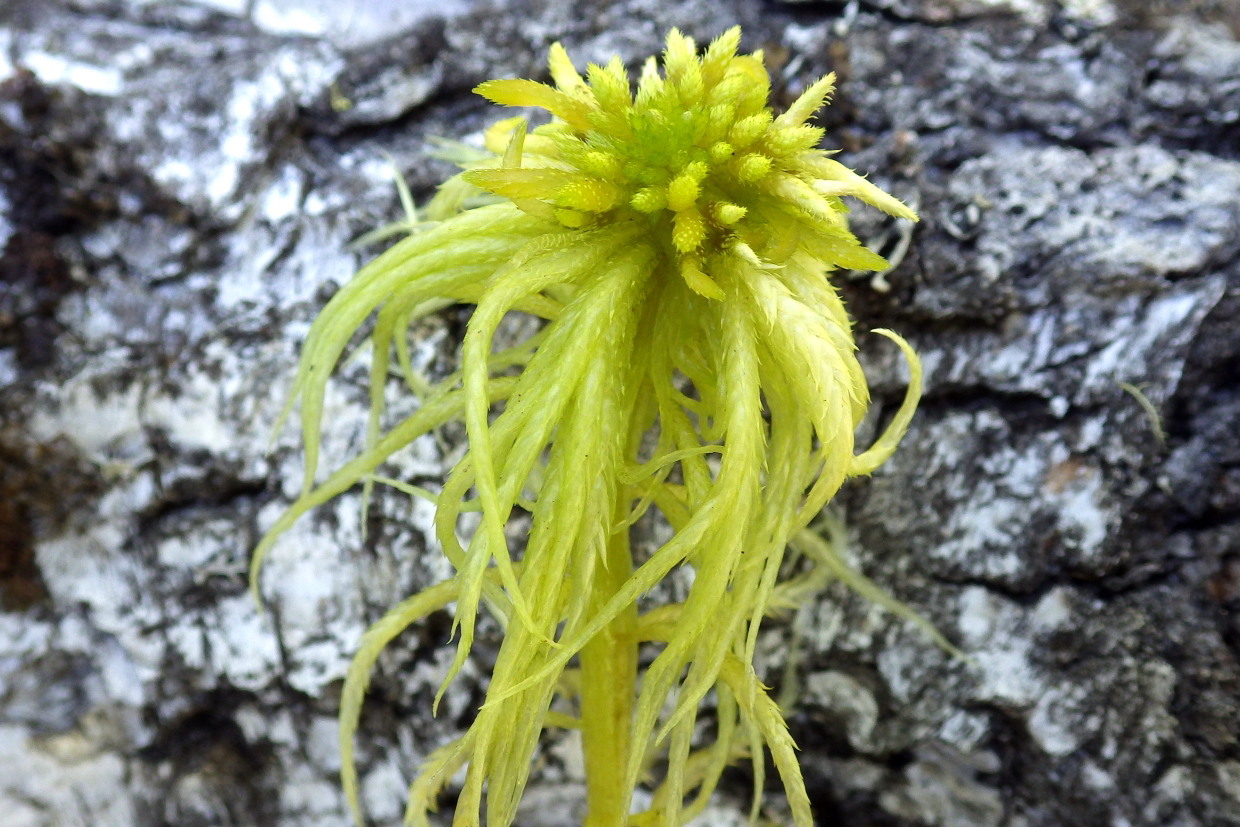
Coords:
696,362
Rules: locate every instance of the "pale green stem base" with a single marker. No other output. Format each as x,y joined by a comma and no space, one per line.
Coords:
608,683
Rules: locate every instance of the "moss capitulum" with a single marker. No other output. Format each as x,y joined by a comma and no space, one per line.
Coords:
696,151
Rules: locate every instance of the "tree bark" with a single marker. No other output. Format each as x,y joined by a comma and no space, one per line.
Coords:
179,184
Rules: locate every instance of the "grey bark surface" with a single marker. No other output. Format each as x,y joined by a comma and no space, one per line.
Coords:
179,184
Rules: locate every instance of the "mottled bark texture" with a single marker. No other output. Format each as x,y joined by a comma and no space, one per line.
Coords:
179,183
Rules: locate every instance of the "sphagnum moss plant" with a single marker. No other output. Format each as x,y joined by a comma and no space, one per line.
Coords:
695,360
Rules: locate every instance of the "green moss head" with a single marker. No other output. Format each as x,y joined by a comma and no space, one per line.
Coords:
696,365
695,154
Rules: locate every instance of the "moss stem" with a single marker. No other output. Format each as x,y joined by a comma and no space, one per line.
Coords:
608,680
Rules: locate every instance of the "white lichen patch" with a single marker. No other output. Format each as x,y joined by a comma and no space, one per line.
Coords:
6,64
1096,12
384,789
266,268
38,789
351,23
212,180
104,424
281,201
206,157
1083,520
986,533
1060,721
847,697
1228,773
311,607
88,568
966,731
1139,332
992,633
311,797
854,628
939,789
1055,610
1137,337
240,644
55,70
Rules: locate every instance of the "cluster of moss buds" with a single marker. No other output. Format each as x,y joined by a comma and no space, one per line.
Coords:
696,151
